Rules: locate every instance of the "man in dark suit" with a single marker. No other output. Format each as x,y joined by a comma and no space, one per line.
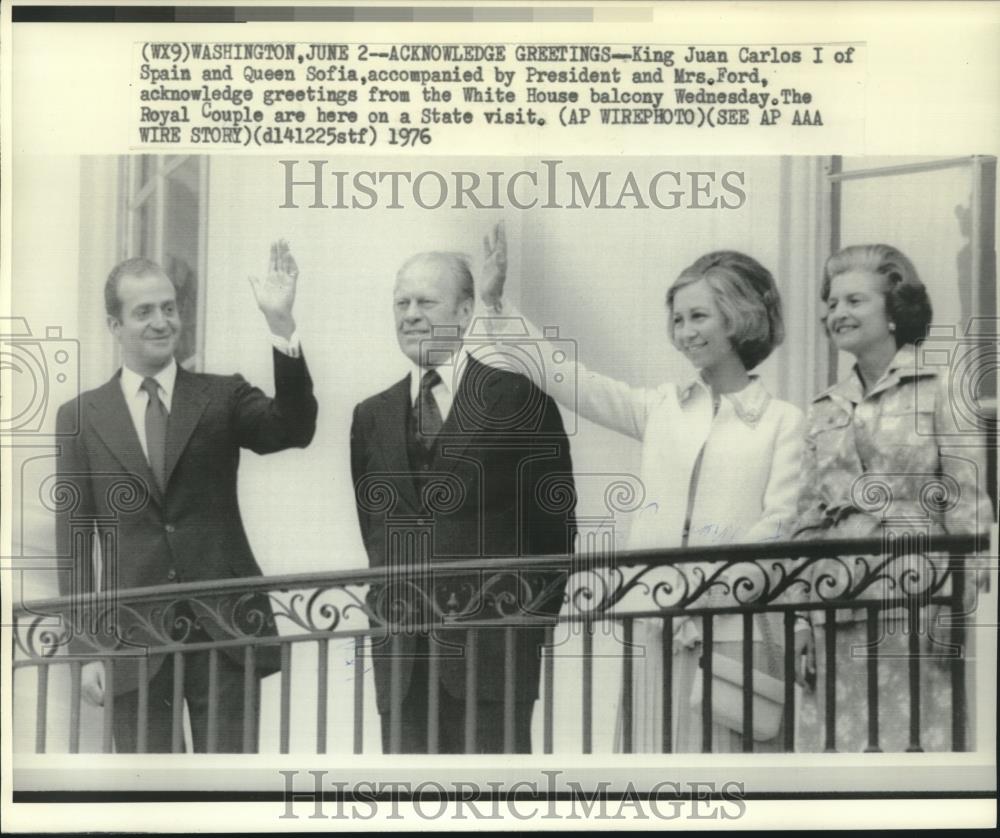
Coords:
174,437
458,460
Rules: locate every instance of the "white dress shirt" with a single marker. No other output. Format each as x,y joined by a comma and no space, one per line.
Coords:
290,346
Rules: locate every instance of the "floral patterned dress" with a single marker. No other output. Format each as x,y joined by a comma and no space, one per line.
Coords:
891,462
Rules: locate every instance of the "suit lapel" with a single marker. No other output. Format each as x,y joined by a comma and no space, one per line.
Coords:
113,423
477,396
391,422
188,403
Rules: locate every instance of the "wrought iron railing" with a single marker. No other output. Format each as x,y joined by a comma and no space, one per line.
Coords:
509,595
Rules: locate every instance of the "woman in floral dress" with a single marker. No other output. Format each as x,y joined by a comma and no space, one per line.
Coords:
884,457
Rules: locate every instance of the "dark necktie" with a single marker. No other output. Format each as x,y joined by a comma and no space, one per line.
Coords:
156,430
426,413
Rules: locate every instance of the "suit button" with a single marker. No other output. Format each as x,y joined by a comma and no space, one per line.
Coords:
171,574
425,467
170,528
421,522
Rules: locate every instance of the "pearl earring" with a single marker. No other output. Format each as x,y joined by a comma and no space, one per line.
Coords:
892,327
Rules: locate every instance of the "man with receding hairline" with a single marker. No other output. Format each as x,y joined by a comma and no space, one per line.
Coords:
176,435
463,451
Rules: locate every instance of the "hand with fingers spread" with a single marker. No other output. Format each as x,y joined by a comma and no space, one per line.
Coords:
275,294
494,267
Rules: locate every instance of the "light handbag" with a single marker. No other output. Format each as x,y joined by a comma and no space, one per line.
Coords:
727,695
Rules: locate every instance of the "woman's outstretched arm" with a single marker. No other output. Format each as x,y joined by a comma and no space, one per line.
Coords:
552,363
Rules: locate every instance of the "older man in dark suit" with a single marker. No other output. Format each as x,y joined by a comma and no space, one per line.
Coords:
175,437
458,460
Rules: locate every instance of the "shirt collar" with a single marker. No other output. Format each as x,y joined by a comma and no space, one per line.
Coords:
904,362
450,373
166,378
902,365
848,388
748,404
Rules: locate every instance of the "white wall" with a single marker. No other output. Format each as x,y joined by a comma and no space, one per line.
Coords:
53,288
928,216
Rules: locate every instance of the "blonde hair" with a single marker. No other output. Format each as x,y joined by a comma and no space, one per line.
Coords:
746,295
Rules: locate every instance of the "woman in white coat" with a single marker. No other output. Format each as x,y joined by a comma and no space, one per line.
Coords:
720,464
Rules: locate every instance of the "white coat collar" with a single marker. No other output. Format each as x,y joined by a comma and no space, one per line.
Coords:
749,403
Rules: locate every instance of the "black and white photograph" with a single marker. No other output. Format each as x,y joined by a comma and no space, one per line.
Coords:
607,479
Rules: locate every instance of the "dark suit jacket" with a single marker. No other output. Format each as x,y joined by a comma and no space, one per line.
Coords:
192,531
500,484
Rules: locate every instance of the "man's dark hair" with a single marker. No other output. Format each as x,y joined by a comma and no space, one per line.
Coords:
137,266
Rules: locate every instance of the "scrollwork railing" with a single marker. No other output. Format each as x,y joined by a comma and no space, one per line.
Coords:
726,579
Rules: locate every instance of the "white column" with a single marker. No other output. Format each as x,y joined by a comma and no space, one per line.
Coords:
804,225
